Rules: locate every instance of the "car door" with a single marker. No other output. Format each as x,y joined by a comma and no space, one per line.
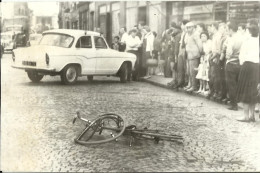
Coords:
86,52
107,61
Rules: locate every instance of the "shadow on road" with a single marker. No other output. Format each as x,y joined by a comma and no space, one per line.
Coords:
78,83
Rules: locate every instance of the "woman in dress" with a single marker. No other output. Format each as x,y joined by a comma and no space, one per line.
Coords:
249,73
203,69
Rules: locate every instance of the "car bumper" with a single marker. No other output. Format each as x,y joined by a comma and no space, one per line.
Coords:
41,69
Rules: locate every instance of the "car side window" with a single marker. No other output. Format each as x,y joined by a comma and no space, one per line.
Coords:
84,42
100,43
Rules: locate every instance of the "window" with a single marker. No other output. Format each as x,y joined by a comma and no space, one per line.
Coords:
84,42
60,40
100,43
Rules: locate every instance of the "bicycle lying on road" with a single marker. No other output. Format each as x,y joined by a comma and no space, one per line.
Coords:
107,124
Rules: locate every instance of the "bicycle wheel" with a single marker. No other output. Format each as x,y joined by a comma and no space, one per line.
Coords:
156,136
101,130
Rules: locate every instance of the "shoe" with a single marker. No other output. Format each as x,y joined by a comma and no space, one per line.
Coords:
190,89
243,120
199,91
234,108
187,87
215,96
252,119
147,77
208,96
225,100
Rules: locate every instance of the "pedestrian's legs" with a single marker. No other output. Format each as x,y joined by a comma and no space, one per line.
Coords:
231,80
180,70
246,111
217,80
192,65
211,80
223,82
252,112
187,73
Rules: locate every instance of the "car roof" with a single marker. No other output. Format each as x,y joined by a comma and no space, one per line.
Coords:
73,32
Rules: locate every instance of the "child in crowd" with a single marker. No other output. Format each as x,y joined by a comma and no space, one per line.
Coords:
203,69
115,45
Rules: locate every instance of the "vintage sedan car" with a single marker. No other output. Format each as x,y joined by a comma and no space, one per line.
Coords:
7,41
71,54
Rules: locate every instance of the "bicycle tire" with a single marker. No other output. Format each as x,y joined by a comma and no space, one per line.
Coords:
110,115
157,136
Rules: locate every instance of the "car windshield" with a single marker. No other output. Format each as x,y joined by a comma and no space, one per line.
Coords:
59,40
6,37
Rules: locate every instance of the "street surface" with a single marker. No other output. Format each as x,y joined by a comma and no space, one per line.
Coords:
37,133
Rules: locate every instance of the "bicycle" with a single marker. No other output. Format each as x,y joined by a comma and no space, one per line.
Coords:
106,124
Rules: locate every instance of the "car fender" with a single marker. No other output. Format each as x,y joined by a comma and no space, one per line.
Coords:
61,61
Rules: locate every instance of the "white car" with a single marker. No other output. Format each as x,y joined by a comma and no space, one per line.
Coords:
73,53
7,40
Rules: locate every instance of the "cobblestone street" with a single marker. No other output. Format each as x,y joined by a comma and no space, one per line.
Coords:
37,133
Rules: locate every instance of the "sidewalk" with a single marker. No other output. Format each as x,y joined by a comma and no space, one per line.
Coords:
162,81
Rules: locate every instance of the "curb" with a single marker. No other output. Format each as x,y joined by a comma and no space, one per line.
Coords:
179,90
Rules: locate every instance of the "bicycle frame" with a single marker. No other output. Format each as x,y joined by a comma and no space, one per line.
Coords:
97,126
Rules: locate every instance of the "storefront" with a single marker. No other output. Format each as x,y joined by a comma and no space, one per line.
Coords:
83,15
241,11
115,18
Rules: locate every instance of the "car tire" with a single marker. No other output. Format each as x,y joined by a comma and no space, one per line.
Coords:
34,76
124,73
69,75
90,78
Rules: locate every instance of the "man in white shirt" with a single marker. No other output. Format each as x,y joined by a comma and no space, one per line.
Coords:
232,63
133,42
124,35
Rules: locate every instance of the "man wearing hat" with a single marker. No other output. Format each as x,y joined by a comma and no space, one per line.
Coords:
193,49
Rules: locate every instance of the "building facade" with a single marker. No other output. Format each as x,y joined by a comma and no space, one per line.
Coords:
110,16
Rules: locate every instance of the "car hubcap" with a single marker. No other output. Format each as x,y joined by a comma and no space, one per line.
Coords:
71,74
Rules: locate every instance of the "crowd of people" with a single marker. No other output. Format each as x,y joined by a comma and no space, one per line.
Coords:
219,60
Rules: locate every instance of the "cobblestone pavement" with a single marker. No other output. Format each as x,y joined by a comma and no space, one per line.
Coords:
37,131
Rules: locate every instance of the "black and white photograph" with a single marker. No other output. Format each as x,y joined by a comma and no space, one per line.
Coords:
130,86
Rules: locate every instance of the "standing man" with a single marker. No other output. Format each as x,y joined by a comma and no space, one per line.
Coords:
123,37
141,34
193,49
149,37
176,35
167,42
181,56
132,44
232,64
218,38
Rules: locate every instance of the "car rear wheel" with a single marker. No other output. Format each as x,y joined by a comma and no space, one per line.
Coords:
69,75
34,76
124,73
90,78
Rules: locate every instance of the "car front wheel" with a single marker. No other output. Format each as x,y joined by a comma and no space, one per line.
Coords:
34,76
124,73
69,75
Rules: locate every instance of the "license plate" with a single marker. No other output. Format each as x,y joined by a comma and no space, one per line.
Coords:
29,63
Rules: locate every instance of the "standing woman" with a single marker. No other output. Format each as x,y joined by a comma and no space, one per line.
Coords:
249,73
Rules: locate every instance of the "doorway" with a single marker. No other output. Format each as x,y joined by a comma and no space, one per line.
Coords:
142,12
